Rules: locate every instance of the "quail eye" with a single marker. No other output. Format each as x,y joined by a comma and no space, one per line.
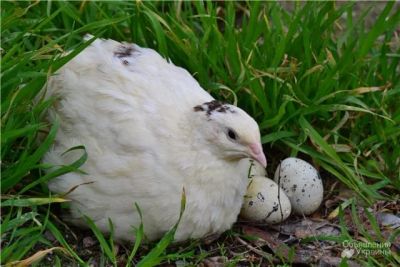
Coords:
232,135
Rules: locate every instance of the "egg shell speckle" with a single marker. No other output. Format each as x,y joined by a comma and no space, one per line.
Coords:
261,202
252,167
301,183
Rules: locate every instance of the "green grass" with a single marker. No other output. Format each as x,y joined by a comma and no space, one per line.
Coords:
320,83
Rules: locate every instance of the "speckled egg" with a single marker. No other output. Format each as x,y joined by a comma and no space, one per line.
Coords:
301,183
252,168
265,201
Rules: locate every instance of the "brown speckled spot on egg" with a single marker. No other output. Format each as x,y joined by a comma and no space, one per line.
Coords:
274,209
294,187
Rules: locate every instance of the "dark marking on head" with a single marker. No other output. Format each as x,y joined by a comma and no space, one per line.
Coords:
222,109
124,51
251,202
198,108
214,106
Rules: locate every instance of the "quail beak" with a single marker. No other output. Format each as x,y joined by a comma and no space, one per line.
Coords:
256,152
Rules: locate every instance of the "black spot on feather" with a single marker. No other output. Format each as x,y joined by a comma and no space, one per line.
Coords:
222,109
124,51
214,106
198,108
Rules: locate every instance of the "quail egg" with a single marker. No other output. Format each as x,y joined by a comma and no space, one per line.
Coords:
301,183
265,201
